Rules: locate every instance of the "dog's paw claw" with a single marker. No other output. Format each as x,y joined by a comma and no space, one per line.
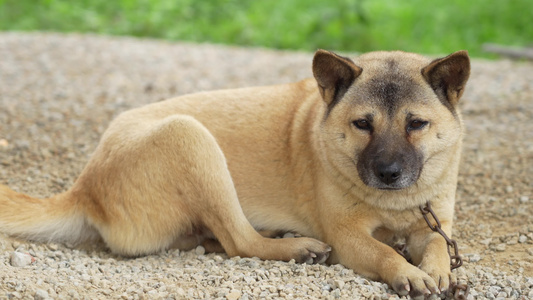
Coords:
322,257
416,283
317,256
443,277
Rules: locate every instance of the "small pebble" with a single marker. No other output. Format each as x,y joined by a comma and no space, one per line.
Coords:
53,246
4,143
501,247
340,284
288,235
233,295
486,242
522,239
19,259
200,250
474,258
41,295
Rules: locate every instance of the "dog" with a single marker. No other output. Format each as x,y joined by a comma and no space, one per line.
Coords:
344,159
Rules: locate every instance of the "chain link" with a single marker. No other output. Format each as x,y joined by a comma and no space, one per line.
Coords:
455,259
459,291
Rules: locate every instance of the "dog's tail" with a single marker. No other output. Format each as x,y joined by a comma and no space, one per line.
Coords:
55,219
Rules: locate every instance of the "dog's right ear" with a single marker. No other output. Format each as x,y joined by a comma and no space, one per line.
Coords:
334,75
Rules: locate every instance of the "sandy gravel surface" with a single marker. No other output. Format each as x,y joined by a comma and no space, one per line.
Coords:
59,92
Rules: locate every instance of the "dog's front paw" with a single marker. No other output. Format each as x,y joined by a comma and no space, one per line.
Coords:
415,283
443,277
310,251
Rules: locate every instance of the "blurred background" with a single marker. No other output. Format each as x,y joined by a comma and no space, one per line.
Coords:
430,27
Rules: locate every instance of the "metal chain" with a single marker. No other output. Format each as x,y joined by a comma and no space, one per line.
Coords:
459,291
455,259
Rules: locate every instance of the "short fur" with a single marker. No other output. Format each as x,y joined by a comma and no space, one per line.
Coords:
345,159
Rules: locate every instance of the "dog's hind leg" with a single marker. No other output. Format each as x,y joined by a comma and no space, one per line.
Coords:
199,171
154,182
212,245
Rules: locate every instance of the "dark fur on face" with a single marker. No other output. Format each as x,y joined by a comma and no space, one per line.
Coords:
389,162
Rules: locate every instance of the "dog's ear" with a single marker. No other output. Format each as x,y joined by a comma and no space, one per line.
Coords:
334,75
447,76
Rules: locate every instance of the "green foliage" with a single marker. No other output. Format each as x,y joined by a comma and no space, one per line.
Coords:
445,26
432,27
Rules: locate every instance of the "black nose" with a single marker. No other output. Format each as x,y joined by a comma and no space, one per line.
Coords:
388,173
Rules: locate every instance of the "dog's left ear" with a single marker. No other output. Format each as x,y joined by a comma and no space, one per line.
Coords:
334,75
448,76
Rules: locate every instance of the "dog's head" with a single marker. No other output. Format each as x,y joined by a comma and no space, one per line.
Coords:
392,121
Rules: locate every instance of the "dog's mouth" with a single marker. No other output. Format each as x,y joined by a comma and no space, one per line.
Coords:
390,188
403,184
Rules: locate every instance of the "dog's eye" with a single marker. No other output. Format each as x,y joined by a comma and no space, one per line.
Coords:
363,124
416,125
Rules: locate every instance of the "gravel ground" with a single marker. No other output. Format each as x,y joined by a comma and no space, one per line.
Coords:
59,92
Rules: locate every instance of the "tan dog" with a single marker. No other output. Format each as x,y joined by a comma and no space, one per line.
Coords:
346,162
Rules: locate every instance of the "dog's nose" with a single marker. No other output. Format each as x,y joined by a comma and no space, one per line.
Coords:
388,173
